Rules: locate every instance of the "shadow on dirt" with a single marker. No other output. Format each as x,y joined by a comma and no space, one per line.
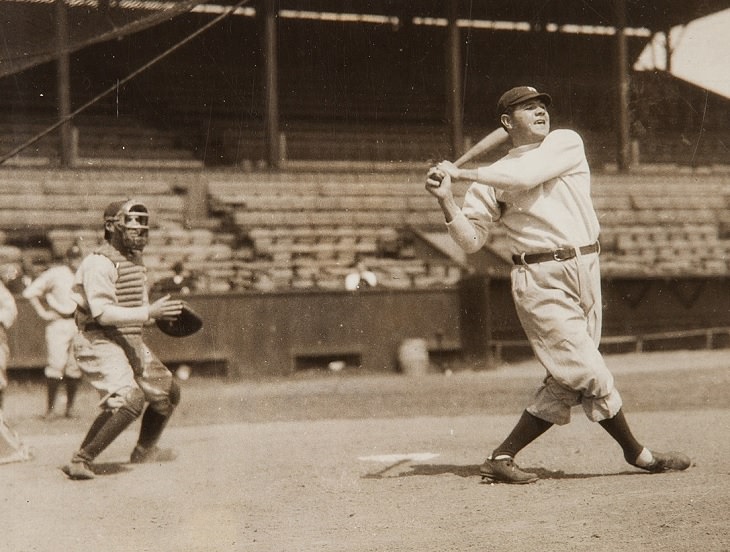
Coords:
110,468
473,471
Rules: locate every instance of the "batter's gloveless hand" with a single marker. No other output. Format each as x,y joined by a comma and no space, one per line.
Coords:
438,184
447,167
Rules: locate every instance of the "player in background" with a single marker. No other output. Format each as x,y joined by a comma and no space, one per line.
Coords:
8,315
50,295
360,276
110,291
540,193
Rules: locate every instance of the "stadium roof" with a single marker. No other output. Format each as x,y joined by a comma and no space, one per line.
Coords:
28,32
655,15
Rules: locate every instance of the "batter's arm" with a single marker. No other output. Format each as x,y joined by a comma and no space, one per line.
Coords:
560,152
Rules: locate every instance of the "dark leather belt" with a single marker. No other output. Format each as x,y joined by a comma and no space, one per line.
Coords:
560,254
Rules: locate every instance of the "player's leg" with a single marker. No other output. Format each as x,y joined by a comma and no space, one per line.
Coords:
72,387
4,354
637,454
52,385
56,353
554,320
163,395
71,372
616,425
121,409
107,369
531,292
500,465
155,419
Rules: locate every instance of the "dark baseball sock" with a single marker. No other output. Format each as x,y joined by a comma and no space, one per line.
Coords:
618,428
72,385
108,429
153,423
96,425
527,429
52,385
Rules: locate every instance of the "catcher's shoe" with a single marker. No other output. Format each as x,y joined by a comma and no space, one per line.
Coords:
668,461
78,470
142,455
505,470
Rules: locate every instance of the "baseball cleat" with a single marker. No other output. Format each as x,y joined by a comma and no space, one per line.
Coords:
153,454
668,461
78,471
505,470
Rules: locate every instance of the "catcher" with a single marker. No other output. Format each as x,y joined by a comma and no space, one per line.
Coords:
112,308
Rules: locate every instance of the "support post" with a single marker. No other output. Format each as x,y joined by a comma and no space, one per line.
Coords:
622,85
270,18
63,83
454,92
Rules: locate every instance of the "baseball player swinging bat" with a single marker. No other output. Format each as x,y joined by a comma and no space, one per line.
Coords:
491,141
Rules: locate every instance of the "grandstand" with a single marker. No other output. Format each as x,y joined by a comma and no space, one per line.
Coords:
319,223
190,139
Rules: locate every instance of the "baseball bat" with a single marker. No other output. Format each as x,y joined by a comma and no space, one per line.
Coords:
491,141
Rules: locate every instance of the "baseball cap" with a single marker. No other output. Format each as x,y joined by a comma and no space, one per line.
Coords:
112,210
518,95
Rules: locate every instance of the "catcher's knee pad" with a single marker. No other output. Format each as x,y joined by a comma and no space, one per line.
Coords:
166,405
130,399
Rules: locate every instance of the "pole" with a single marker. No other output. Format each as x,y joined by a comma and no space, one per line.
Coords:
270,17
622,85
454,87
63,82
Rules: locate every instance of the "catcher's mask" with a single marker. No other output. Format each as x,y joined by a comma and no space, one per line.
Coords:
130,221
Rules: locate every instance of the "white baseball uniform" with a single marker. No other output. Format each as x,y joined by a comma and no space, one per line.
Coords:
54,288
540,193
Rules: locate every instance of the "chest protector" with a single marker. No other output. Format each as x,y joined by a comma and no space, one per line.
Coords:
130,284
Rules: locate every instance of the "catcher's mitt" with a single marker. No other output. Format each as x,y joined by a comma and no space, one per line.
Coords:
187,323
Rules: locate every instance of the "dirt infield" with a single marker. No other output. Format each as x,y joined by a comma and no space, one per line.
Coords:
347,462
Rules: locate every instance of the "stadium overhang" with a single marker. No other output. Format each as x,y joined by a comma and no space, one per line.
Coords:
85,22
656,15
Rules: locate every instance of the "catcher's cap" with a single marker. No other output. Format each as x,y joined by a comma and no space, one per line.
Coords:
112,210
518,95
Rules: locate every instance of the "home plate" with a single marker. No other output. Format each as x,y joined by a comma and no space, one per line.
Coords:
393,458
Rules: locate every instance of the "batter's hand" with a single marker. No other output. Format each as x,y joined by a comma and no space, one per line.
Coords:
438,183
165,308
447,167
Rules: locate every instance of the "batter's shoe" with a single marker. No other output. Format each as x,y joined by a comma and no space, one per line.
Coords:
78,471
505,470
668,461
142,455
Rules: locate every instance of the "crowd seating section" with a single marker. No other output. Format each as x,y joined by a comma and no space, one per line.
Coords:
69,199
652,224
306,229
98,141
